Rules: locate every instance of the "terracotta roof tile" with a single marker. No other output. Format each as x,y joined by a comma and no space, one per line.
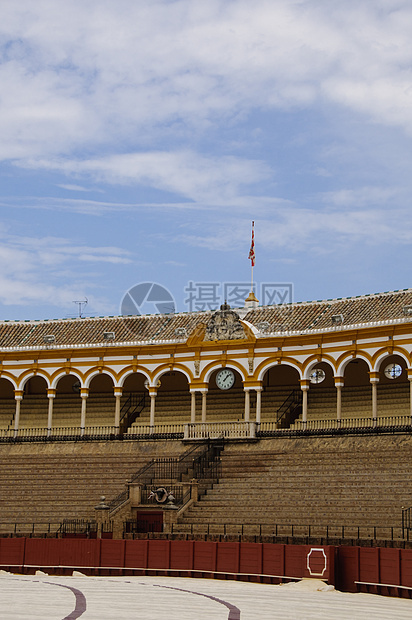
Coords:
174,327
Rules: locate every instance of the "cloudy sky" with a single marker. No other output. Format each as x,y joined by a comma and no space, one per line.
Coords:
140,138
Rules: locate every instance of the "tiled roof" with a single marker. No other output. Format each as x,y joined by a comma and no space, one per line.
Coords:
304,316
318,315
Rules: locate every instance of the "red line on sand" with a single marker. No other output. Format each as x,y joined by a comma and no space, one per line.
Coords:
80,607
234,612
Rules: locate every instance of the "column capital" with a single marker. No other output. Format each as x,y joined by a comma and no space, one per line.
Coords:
374,377
84,392
118,391
51,392
18,394
252,385
304,384
198,386
339,381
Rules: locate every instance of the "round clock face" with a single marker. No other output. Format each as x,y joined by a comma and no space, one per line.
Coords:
393,371
225,378
317,375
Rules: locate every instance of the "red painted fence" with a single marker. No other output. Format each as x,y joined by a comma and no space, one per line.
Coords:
228,558
342,566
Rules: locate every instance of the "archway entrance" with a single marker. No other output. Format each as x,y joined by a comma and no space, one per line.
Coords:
281,396
100,402
225,404
34,405
357,391
7,404
67,403
135,403
393,391
173,399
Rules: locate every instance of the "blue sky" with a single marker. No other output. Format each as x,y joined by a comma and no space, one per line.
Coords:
140,138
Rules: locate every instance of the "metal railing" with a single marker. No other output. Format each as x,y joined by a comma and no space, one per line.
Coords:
279,530
78,527
159,431
68,433
30,529
220,430
289,407
407,522
383,424
200,461
214,430
131,409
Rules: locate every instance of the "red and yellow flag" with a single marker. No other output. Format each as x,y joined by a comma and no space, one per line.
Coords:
252,246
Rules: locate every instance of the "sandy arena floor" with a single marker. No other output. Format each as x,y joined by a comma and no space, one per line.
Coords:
46,597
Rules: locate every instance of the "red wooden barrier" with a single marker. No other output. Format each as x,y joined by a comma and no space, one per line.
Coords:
237,560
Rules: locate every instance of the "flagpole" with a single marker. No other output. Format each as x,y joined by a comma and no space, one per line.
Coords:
252,255
251,283
251,301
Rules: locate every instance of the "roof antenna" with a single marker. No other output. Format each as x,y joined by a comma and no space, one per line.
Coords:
82,305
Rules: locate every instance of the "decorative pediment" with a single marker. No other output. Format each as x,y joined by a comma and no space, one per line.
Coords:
225,325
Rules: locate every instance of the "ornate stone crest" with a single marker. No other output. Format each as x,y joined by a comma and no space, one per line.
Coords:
224,325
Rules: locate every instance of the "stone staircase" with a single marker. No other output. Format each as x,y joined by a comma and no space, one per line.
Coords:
350,481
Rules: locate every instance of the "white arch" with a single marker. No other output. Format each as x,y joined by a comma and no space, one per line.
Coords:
98,373
385,355
12,380
34,374
123,378
308,370
217,365
64,374
274,364
341,370
158,375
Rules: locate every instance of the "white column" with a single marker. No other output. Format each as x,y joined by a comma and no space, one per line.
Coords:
51,396
410,396
339,386
204,406
374,400
305,405
258,404
193,407
84,393
304,386
247,405
18,395
338,402
118,396
152,405
374,379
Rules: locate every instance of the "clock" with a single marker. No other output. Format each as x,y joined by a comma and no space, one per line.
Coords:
393,371
225,379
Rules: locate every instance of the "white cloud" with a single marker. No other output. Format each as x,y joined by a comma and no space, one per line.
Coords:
88,74
74,188
301,231
185,173
363,197
46,270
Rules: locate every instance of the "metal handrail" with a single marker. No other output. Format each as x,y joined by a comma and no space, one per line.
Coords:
132,408
289,405
202,459
384,424
406,521
289,530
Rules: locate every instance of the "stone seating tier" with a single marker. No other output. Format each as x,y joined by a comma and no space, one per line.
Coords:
350,481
